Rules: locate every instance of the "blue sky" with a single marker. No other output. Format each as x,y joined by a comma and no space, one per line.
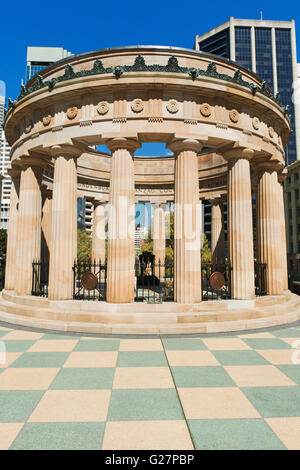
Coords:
90,25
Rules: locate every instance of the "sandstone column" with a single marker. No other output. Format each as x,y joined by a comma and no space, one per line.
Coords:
121,222
269,227
281,212
240,227
46,226
217,231
10,268
187,222
64,222
98,240
159,240
29,226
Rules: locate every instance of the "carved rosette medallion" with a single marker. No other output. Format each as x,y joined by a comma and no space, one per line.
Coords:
103,108
234,115
172,106
271,132
255,123
137,105
72,112
205,109
46,119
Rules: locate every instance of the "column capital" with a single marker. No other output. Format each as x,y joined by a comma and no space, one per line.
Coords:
282,174
66,150
237,153
268,166
123,143
181,145
216,199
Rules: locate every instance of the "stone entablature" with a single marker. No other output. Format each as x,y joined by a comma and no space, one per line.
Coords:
144,107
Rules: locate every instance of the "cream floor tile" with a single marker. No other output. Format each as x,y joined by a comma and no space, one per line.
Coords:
8,433
288,431
147,435
23,335
225,344
140,345
258,376
10,357
277,356
92,359
293,342
143,377
216,403
256,335
53,346
191,358
72,406
27,378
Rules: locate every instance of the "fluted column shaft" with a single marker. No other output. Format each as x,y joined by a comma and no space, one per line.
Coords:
121,223
269,229
46,227
187,223
217,232
240,227
283,245
98,240
63,250
10,268
29,228
159,240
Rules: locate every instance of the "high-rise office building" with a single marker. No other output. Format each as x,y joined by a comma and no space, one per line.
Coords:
4,164
40,57
268,48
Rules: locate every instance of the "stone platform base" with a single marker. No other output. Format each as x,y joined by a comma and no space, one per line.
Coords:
142,318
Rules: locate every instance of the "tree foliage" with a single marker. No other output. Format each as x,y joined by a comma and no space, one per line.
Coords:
3,241
84,245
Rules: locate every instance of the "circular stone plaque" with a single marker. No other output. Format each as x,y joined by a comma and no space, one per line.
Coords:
89,281
217,281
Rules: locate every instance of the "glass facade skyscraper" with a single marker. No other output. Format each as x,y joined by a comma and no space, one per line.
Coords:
40,57
267,48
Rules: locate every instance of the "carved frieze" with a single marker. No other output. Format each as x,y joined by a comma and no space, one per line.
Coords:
172,106
234,115
205,109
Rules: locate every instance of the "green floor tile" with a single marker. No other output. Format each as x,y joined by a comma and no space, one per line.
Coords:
275,402
292,371
182,344
287,333
41,359
239,358
60,436
55,337
146,404
141,359
233,434
97,345
3,333
266,343
84,378
17,405
204,376
13,345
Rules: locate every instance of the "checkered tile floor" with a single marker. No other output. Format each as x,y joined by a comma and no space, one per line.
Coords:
220,392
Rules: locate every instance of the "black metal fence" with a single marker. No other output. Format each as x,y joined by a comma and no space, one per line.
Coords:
40,277
260,277
154,283
215,281
89,281
2,273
